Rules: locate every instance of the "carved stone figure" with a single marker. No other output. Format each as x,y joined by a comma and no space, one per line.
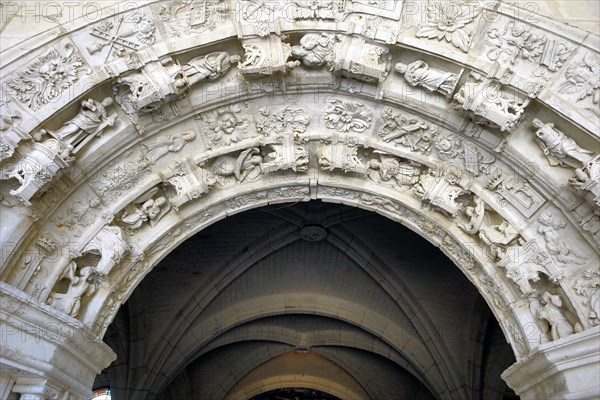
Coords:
476,161
419,73
551,311
550,228
146,208
583,79
152,152
91,121
559,148
316,50
390,168
588,179
518,41
523,263
208,67
82,285
315,9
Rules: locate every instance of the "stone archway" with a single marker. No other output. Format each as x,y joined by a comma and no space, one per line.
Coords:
457,136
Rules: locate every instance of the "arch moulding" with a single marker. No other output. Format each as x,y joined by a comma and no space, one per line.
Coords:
111,159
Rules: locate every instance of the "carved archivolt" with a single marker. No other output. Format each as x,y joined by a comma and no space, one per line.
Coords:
441,146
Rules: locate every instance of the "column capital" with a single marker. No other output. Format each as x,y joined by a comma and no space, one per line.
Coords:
39,343
568,368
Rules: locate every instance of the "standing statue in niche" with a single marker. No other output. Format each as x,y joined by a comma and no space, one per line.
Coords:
208,67
91,121
550,310
419,73
82,285
559,148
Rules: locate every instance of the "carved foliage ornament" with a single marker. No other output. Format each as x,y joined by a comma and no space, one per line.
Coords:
588,285
47,77
517,41
343,116
452,21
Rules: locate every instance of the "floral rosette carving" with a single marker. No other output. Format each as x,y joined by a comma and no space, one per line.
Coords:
450,21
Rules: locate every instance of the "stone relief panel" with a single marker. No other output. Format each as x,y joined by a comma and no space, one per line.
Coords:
551,228
406,131
345,116
47,77
581,82
453,147
517,192
148,208
514,41
381,8
454,22
314,9
11,133
266,56
225,125
114,38
587,285
193,17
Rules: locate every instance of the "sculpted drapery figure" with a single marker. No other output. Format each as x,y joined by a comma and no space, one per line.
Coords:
208,67
82,285
91,121
551,311
316,50
419,73
559,148
152,152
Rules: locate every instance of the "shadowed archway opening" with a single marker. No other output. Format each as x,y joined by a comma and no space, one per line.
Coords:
312,295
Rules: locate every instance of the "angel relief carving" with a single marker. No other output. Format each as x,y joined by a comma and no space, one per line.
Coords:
452,21
47,77
583,81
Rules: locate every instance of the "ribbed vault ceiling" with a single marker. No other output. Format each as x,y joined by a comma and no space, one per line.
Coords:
313,295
